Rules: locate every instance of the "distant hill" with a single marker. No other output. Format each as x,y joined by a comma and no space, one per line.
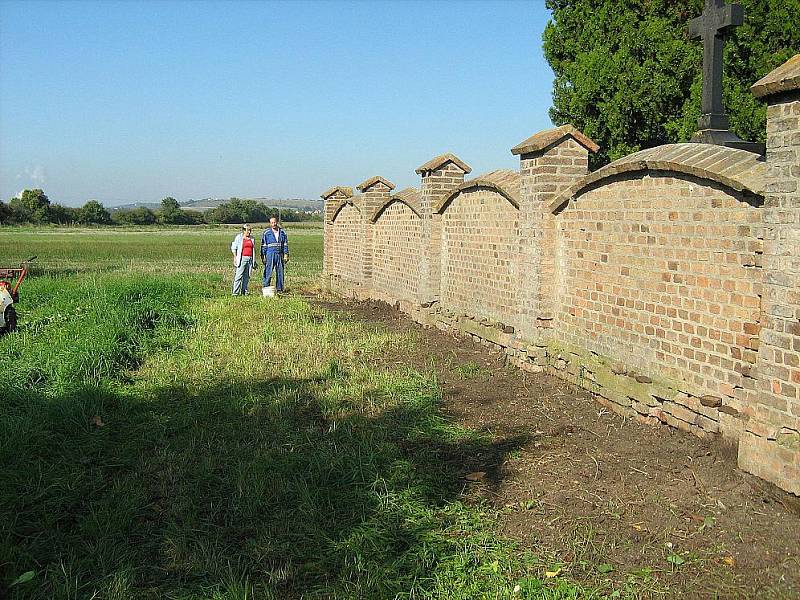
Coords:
150,205
293,203
209,203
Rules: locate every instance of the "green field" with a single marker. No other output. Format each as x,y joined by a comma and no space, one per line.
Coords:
161,439
183,250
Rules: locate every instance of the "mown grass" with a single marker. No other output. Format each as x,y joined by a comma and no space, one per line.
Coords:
160,439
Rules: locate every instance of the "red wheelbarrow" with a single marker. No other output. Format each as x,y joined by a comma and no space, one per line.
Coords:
10,280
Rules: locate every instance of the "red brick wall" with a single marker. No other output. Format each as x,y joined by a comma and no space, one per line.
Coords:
770,447
544,174
346,240
435,184
397,241
664,274
479,248
670,297
331,204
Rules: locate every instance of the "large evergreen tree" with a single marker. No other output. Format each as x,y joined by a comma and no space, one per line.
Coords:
629,77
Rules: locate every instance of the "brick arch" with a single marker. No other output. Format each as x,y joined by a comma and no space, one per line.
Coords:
479,245
662,271
397,251
502,188
347,242
411,204
341,204
738,170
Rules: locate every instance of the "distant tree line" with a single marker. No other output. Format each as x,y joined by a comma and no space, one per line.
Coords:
34,207
237,210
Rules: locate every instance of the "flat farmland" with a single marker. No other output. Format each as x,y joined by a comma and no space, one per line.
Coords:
202,250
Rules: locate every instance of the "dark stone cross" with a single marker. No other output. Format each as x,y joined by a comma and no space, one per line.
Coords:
717,19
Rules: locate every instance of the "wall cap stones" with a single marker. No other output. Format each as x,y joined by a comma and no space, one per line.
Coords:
347,191
739,170
365,185
548,137
441,160
785,78
409,196
504,181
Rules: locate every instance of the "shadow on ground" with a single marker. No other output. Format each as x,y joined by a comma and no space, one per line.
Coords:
263,485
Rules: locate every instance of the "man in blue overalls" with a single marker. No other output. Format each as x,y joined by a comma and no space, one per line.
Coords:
274,252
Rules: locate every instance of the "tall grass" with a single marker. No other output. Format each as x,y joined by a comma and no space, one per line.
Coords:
160,439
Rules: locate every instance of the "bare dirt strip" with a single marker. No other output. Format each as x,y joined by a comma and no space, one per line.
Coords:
603,497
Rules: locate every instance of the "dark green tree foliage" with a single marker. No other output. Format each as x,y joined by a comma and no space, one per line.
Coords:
170,211
5,214
192,217
63,215
237,210
629,77
141,215
32,206
93,213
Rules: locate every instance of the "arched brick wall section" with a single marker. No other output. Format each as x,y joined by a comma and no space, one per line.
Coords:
397,244
479,245
666,282
662,272
347,244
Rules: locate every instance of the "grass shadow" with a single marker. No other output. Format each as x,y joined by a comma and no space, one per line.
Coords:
267,485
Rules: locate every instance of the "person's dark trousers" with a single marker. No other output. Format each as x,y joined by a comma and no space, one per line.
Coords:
274,260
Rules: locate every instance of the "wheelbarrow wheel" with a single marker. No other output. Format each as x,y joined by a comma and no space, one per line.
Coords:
11,320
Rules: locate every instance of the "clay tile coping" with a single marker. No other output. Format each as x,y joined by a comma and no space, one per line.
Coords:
739,170
409,196
355,201
440,161
783,79
347,191
365,185
548,137
504,181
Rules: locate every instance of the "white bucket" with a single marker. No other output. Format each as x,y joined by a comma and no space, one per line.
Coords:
268,292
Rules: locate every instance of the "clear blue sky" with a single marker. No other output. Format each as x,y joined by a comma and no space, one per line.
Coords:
134,101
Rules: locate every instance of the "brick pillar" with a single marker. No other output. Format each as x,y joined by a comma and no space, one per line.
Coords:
331,199
440,175
375,192
549,162
770,445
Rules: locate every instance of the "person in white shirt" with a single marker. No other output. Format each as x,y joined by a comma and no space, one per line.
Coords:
244,260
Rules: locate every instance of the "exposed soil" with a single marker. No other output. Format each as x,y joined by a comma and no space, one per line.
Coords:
591,491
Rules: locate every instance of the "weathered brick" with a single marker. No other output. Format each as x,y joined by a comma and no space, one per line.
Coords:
666,264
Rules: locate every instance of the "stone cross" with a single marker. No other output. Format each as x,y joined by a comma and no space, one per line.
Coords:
717,19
